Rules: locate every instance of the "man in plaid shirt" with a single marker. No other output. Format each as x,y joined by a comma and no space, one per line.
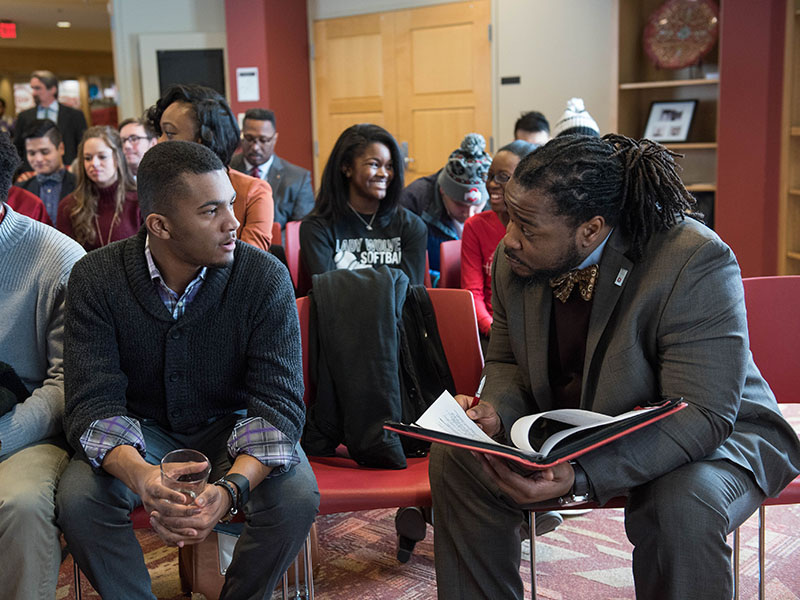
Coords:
184,337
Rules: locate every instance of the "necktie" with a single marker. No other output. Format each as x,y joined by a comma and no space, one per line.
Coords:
255,173
585,278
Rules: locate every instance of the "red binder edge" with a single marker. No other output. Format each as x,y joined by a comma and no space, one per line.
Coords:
539,465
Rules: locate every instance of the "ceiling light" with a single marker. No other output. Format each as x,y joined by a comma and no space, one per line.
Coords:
64,24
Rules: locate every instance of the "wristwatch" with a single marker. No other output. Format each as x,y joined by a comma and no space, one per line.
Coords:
581,488
238,487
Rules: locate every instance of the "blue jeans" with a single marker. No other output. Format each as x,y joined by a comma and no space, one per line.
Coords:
94,507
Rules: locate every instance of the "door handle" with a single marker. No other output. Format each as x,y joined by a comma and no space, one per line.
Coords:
407,160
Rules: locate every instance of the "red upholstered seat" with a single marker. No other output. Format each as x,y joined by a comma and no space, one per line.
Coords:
345,486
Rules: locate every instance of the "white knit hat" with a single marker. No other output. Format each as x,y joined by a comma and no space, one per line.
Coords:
576,120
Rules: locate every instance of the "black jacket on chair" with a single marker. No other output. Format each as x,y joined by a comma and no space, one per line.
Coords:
375,356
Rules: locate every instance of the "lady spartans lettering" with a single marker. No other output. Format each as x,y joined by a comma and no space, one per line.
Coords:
359,253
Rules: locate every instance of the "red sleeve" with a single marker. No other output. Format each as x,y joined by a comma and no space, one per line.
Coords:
472,273
254,209
63,220
28,204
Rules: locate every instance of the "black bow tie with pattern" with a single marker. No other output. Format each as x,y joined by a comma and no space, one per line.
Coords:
585,278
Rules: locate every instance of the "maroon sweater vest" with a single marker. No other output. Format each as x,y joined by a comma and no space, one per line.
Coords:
569,326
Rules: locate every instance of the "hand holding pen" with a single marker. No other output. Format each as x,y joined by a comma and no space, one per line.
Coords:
477,397
484,414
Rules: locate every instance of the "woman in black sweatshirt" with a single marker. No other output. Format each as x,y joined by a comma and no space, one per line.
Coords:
357,221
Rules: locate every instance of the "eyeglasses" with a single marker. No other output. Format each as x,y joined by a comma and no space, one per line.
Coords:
261,140
134,139
500,178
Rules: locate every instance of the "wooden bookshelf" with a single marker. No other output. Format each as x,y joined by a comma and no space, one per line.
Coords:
640,83
646,85
789,209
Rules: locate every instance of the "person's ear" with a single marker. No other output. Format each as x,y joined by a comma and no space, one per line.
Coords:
347,170
158,226
591,230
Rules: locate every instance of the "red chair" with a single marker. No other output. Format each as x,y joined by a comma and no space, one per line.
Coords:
292,248
450,264
426,280
276,234
345,486
774,329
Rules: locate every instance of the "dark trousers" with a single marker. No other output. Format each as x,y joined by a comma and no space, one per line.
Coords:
678,525
93,512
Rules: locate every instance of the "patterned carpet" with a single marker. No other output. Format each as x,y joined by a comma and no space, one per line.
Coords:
587,557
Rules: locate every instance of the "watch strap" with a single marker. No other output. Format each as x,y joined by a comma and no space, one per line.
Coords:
242,486
581,487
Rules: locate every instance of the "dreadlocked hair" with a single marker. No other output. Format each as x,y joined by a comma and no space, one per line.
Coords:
633,185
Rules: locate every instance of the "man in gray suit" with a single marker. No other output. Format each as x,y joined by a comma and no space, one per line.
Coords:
291,185
607,297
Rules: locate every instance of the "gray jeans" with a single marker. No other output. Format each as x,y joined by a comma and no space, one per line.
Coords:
678,525
94,508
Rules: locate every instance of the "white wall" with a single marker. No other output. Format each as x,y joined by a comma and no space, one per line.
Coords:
132,18
558,48
331,9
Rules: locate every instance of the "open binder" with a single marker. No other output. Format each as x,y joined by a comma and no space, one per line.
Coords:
541,440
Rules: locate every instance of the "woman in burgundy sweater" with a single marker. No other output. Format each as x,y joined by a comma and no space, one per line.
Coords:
104,206
484,231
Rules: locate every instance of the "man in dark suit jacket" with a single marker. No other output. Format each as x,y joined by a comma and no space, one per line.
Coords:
71,122
44,150
291,185
607,297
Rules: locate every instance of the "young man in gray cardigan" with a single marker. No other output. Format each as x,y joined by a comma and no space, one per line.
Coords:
182,337
36,260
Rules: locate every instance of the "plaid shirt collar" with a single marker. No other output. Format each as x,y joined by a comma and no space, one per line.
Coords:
175,304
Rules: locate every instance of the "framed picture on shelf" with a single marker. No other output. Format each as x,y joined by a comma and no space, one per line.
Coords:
669,121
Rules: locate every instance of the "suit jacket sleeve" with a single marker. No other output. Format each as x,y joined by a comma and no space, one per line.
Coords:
701,355
507,386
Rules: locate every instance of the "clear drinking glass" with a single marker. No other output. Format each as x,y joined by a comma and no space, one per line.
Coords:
185,471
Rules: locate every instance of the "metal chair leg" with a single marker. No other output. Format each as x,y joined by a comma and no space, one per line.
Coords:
532,529
309,570
736,549
77,577
762,539
285,586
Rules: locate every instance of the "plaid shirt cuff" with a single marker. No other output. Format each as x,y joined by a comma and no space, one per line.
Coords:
104,435
256,437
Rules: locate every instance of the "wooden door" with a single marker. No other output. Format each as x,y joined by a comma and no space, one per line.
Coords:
424,74
444,81
353,69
